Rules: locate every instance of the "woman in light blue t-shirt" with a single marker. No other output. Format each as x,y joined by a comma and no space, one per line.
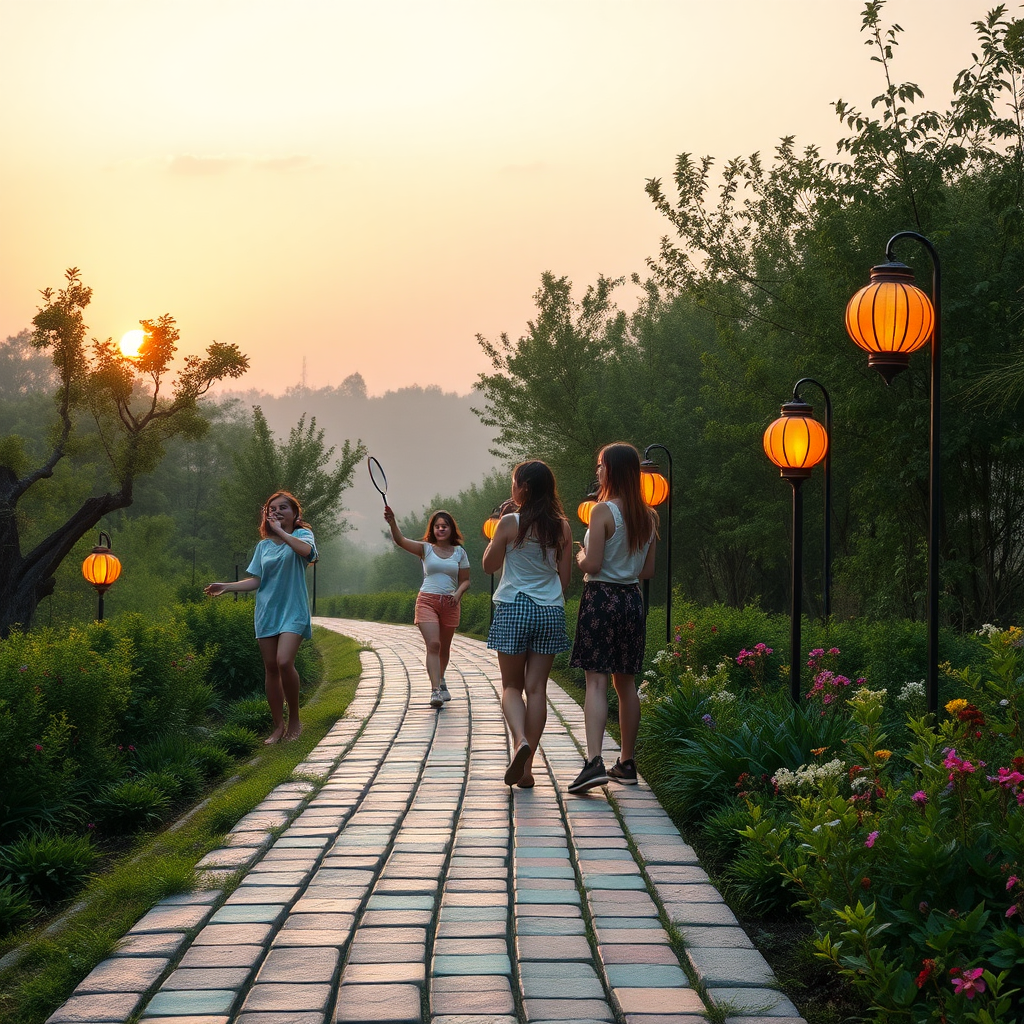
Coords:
278,575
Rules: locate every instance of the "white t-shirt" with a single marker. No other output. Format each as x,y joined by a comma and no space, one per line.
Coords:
441,575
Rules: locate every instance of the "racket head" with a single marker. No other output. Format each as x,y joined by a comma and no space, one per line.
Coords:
377,477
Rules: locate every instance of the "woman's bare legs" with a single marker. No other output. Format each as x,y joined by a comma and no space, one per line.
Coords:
445,653
432,641
525,675
595,712
287,648
272,686
629,714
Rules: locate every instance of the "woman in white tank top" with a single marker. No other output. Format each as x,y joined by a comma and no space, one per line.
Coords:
611,631
533,548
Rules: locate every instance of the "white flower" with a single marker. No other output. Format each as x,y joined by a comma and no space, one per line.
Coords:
988,629
911,692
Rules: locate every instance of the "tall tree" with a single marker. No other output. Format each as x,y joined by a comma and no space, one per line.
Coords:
133,418
302,465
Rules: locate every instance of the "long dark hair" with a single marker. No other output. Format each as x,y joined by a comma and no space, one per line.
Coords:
456,537
621,463
540,513
296,508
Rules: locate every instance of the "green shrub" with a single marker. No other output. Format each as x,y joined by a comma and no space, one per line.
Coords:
236,740
212,761
132,805
15,908
252,712
169,690
49,866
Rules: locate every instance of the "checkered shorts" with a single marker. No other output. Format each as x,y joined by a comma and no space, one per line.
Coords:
523,625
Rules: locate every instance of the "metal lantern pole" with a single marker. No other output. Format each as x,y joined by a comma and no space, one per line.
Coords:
668,543
796,563
826,578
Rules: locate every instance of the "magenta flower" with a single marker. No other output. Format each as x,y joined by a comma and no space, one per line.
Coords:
1012,911
968,982
920,798
1011,882
870,841
1008,778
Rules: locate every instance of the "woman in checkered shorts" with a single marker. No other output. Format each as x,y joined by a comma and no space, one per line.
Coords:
533,549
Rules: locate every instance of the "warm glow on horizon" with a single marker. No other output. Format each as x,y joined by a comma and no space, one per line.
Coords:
340,187
131,343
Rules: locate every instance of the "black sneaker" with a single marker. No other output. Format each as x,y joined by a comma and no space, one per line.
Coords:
623,772
593,775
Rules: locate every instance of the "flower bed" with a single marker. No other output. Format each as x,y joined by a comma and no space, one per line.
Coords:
901,838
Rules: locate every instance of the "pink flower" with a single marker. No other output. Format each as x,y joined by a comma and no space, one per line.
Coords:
920,798
1008,778
968,982
870,841
1012,911
1011,882
39,748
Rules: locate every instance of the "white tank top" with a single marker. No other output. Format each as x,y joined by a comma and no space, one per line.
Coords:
527,571
441,575
620,565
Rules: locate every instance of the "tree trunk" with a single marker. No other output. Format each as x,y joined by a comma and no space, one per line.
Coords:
26,579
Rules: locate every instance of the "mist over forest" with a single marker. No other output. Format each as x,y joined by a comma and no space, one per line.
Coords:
429,441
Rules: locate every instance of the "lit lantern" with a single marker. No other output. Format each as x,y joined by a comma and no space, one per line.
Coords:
890,318
796,442
101,569
490,525
653,485
584,509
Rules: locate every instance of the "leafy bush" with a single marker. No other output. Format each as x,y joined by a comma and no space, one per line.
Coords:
48,866
212,761
236,740
252,712
132,805
15,908
169,689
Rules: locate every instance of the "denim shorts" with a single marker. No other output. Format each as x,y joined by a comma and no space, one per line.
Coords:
523,625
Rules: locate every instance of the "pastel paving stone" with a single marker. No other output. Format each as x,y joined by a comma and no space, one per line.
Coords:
124,974
537,1010
273,997
765,1002
86,1009
657,1000
193,978
378,1004
730,966
189,1003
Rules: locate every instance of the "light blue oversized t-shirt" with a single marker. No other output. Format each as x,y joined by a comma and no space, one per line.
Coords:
282,605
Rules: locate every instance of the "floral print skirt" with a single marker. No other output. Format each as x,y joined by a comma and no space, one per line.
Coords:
611,632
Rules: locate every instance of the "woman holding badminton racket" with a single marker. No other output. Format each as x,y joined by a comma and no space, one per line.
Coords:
438,604
277,573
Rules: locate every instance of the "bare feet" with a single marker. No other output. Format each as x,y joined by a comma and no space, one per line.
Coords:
293,734
276,736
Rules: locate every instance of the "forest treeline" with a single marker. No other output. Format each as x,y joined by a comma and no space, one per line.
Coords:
745,297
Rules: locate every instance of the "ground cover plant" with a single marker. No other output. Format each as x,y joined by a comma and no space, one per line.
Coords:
896,836
110,730
54,962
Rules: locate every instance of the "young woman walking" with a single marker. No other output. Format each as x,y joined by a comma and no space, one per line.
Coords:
611,632
278,575
533,549
438,604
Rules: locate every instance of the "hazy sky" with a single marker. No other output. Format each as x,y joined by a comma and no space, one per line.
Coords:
369,185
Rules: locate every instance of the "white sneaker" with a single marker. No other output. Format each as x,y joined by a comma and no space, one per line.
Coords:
436,700
445,695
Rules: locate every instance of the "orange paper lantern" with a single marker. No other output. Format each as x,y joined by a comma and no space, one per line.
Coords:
796,442
101,568
890,318
653,485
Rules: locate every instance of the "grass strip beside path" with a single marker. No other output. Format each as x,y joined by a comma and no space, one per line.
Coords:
58,957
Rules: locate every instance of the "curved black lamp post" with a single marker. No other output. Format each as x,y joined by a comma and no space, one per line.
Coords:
891,318
239,557
796,442
668,541
101,568
826,576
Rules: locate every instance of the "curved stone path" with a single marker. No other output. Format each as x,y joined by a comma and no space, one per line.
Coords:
396,879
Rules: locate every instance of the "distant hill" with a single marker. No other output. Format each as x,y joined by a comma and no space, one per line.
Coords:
428,441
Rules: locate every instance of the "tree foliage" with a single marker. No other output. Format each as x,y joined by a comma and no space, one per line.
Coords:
746,296
135,413
301,465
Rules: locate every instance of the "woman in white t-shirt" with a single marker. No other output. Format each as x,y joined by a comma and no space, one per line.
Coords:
438,604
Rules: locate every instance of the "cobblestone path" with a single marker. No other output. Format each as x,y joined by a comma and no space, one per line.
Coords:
397,879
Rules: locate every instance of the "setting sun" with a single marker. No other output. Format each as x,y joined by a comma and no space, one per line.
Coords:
131,343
